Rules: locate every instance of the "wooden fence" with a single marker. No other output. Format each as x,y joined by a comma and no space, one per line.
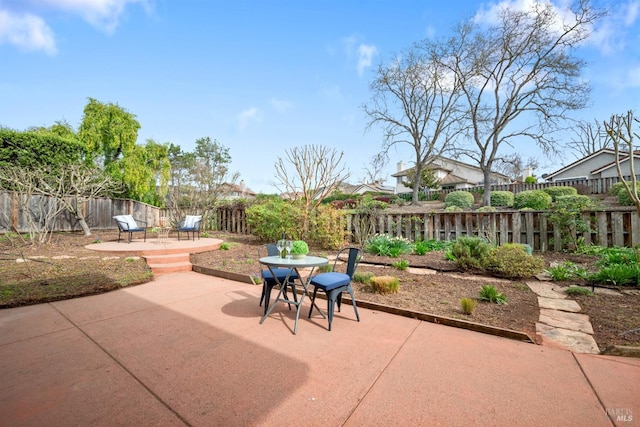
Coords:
620,227
18,212
613,227
583,186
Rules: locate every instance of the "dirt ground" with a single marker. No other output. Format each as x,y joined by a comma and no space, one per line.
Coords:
65,269
434,286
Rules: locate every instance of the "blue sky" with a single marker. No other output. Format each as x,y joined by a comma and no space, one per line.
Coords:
258,76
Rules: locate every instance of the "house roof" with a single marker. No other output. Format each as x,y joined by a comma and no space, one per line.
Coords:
235,188
579,161
636,155
436,166
452,179
591,156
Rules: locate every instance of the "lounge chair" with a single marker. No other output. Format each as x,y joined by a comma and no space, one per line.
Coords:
191,224
127,224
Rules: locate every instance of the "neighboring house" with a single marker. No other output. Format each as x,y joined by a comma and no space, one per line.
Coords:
374,187
452,174
346,188
236,191
601,164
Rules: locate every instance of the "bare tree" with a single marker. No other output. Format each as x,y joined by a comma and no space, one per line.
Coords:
513,165
308,174
519,78
588,138
620,130
373,171
61,188
415,100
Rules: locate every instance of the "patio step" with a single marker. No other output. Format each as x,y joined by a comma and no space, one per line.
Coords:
171,263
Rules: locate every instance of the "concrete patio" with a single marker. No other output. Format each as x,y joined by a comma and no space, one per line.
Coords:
188,349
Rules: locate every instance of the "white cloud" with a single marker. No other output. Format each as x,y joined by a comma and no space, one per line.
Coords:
24,25
103,14
365,56
363,53
27,32
246,116
611,34
281,105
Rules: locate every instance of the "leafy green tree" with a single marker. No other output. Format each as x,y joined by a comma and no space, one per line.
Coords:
109,134
35,148
427,180
197,179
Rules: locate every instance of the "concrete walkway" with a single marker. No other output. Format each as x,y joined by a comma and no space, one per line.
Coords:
188,349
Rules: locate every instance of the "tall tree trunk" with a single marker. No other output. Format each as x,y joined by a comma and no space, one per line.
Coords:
486,197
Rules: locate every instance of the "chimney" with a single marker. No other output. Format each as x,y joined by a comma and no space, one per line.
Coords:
401,166
526,172
243,187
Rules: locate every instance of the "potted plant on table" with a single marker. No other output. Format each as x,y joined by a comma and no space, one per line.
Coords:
299,249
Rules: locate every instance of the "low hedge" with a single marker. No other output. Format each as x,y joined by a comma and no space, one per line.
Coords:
461,199
532,199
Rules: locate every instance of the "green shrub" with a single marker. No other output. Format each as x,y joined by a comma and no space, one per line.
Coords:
402,264
470,252
385,284
468,305
384,245
486,209
566,217
225,246
421,247
327,227
453,209
618,255
532,199
624,199
272,217
502,198
565,271
618,275
577,290
461,199
490,293
616,188
364,277
530,180
513,262
576,202
556,192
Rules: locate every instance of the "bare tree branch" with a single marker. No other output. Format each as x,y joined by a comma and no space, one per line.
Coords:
415,101
620,130
308,174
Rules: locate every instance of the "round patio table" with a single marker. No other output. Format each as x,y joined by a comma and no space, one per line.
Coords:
295,264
